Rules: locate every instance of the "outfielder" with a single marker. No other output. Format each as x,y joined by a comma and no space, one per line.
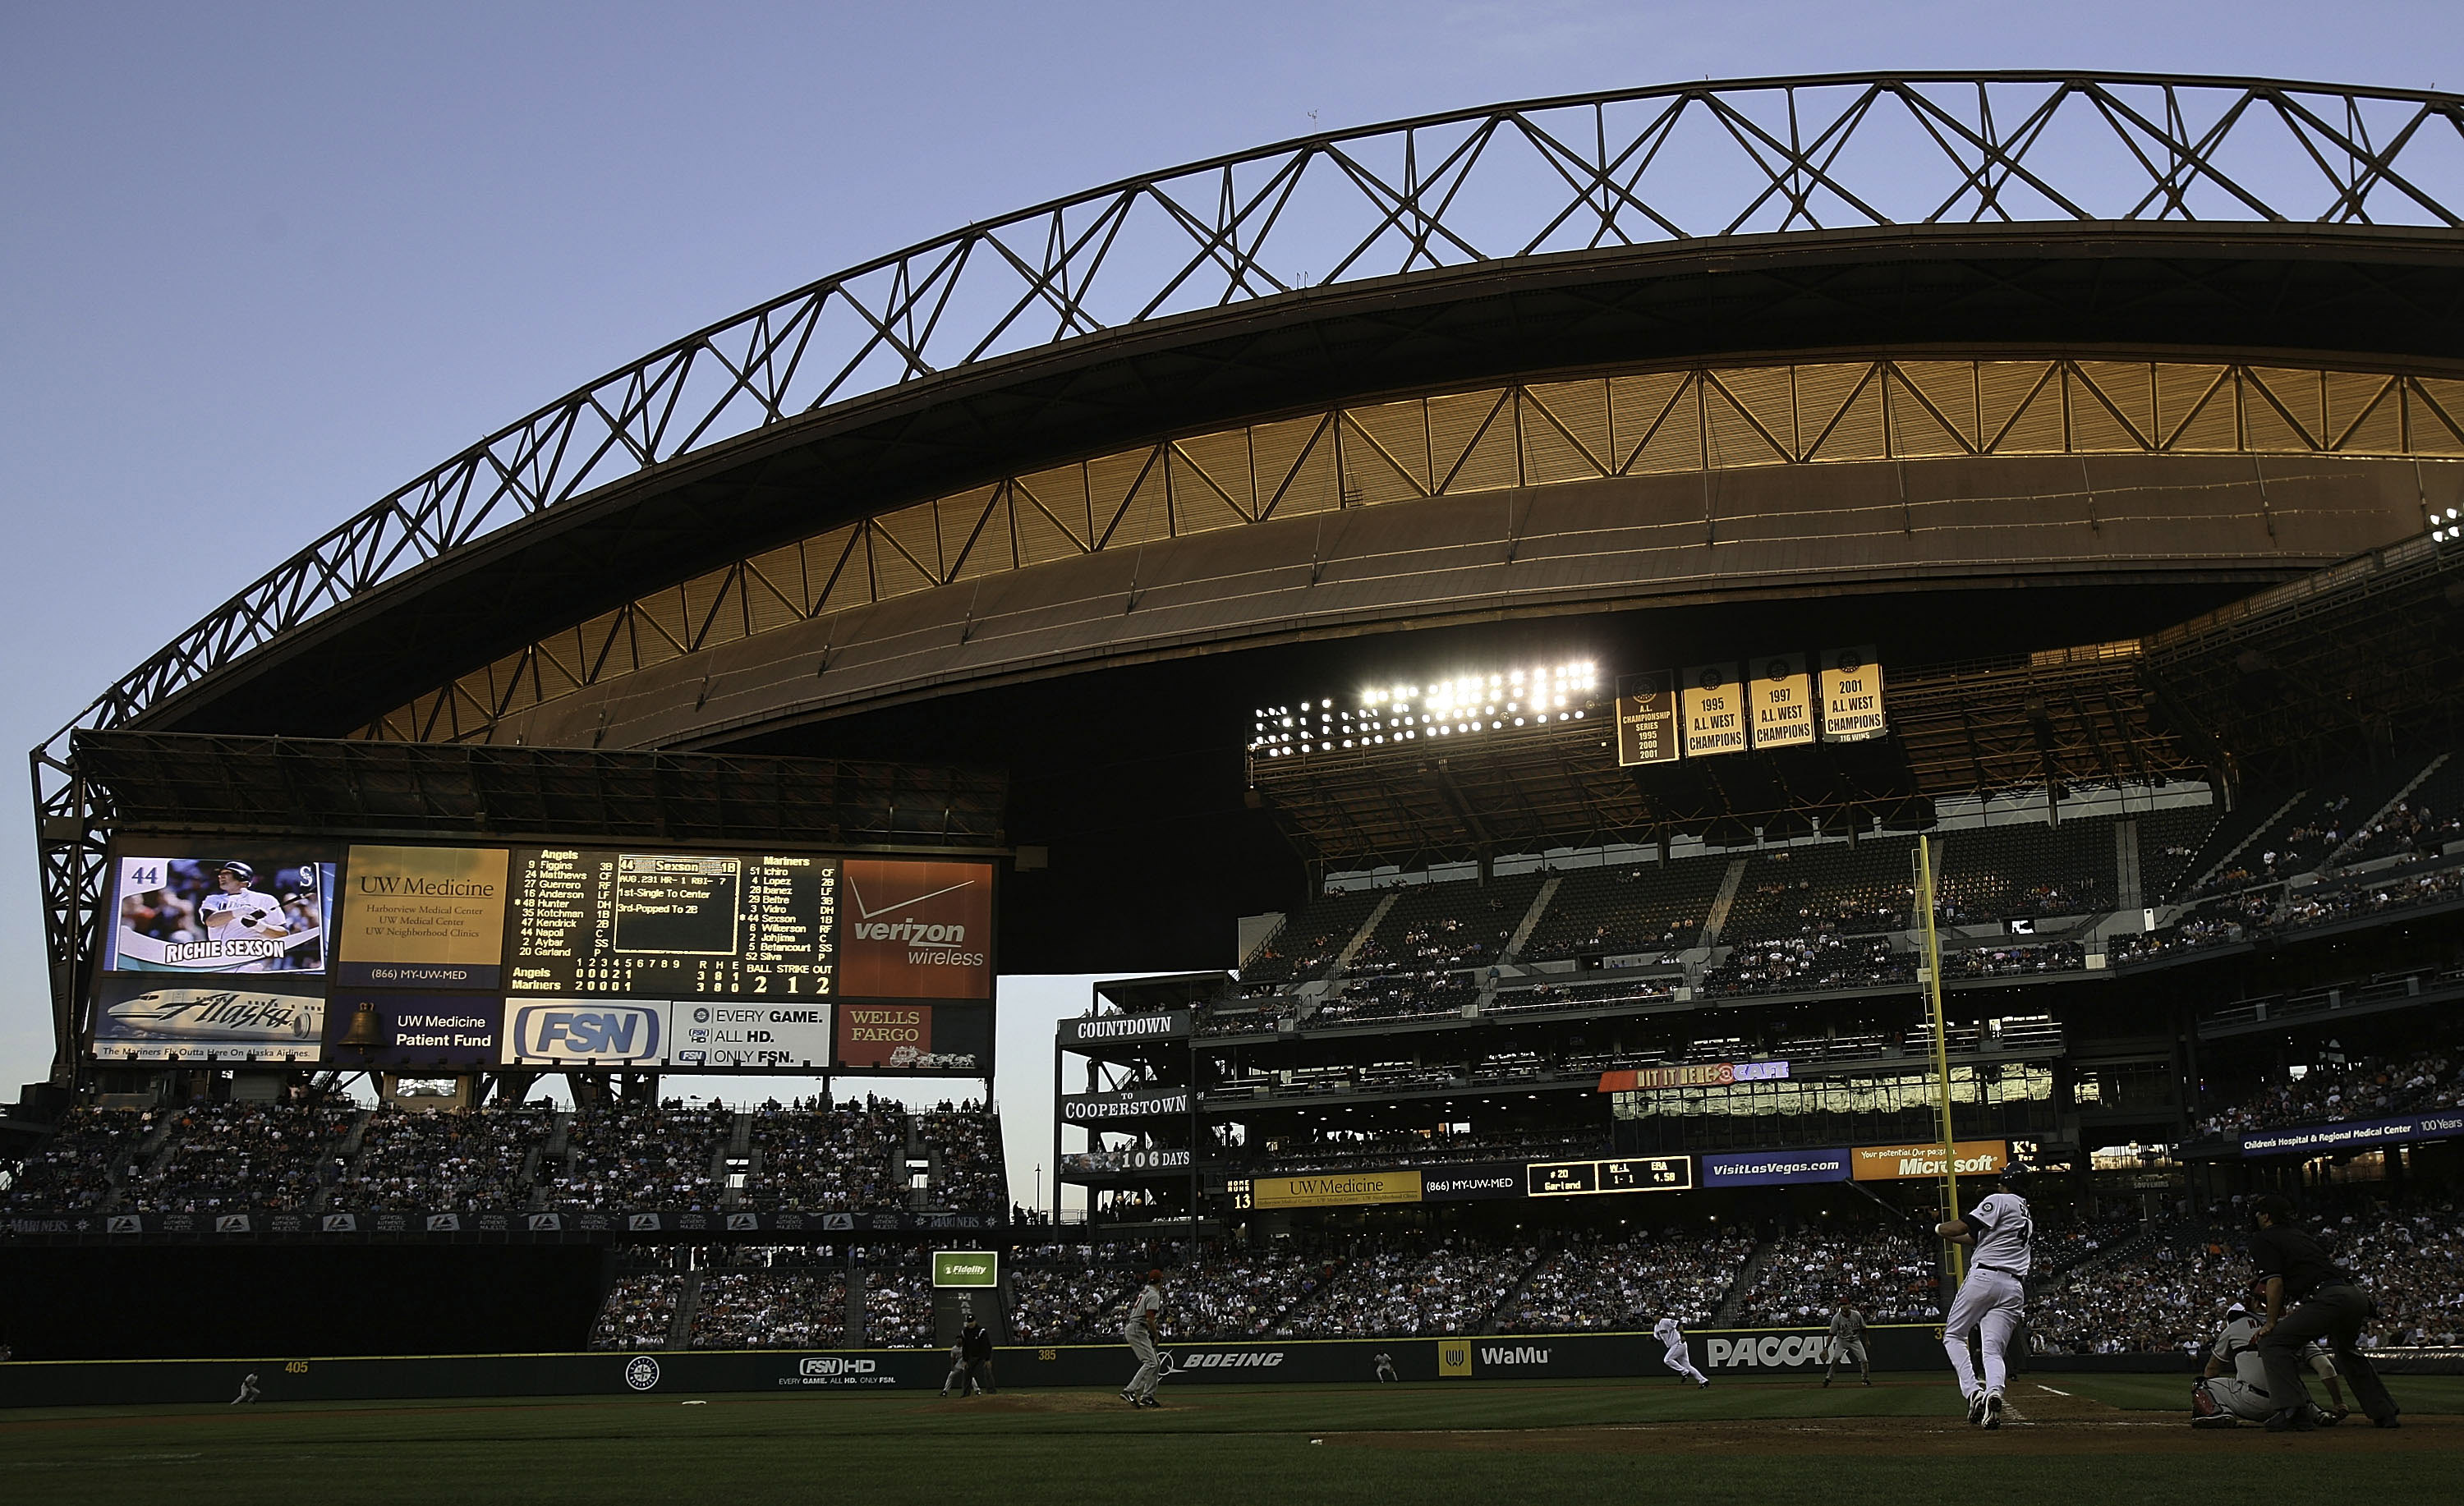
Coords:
242,913
1994,1296
1386,1369
1847,1342
1142,1327
1672,1343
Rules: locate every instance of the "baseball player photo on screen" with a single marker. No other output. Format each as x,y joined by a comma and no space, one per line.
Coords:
253,911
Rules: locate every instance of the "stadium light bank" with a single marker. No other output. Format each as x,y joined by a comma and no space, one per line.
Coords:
1460,707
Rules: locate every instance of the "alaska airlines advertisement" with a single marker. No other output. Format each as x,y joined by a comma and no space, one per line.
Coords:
152,1017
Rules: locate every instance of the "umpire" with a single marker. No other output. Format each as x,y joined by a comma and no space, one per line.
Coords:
976,1353
2327,1303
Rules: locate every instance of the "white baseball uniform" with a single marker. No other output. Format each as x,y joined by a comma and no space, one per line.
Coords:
1142,1344
1672,1343
1847,1339
256,916
1992,1298
2244,1393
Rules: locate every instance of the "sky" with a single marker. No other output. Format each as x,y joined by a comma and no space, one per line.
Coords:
260,263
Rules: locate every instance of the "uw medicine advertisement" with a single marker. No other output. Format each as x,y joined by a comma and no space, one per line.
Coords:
423,917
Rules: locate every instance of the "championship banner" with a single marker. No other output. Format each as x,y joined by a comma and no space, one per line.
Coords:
423,917
1907,1163
148,1018
1781,700
2350,1133
1646,718
916,930
257,910
1852,695
1715,711
1776,1167
1335,1190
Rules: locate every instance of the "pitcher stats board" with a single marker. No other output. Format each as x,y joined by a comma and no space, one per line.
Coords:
670,925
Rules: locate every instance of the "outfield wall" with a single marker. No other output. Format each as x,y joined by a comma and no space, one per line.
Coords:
1722,1352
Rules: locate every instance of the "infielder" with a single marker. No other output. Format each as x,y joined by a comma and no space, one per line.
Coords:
1847,1342
242,913
2233,1387
1672,1343
1142,1328
1994,1296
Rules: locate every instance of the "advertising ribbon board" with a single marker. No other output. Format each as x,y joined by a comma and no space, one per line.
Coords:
422,917
1646,718
1776,1167
1781,697
1852,695
1335,1190
2350,1133
1715,711
1700,1073
1907,1163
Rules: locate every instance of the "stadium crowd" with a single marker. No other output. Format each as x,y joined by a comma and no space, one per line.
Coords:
640,1312
818,1157
964,1143
1885,1272
1808,964
771,1309
243,1157
2366,1088
75,1169
1585,1286
447,1162
634,1155
1407,1291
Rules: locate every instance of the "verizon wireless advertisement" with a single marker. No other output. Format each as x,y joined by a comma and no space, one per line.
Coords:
911,930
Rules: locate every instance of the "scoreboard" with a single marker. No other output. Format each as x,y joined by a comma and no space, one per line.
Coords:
673,925
1583,1178
451,958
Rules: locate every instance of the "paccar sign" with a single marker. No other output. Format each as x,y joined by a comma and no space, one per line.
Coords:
1905,1163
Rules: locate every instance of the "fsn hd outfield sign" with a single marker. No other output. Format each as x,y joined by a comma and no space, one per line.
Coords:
966,1268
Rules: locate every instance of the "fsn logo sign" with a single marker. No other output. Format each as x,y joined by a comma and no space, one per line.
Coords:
828,1367
1770,1352
968,1268
598,1033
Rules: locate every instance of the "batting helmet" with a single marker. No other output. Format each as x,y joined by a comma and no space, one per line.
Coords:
247,874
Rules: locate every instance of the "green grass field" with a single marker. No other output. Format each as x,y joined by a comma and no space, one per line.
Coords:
1742,1441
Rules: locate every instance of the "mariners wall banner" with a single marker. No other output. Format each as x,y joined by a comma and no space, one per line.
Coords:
1905,1163
423,917
2351,1133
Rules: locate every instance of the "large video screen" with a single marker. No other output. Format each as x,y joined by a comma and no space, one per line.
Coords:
463,956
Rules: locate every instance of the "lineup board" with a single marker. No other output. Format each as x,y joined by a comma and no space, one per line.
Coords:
673,925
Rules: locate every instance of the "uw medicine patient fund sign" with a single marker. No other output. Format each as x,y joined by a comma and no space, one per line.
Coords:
422,917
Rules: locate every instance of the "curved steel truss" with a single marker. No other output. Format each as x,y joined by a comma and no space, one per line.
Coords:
1533,434
1685,161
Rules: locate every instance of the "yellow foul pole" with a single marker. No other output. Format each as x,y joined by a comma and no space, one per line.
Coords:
1956,1255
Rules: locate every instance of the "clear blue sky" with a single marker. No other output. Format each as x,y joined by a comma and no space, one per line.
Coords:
260,263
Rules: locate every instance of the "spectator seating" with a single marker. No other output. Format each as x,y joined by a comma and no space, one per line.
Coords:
1585,995
899,1307
73,1171
964,1145
1804,964
2313,828
822,1158
639,1313
2170,841
1435,926
1849,889
1306,946
1584,1287
1653,908
781,1308
244,1157
1396,996
2425,821
1887,1273
444,1161
2014,962
633,1155
2027,869
1408,1291
2367,1087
